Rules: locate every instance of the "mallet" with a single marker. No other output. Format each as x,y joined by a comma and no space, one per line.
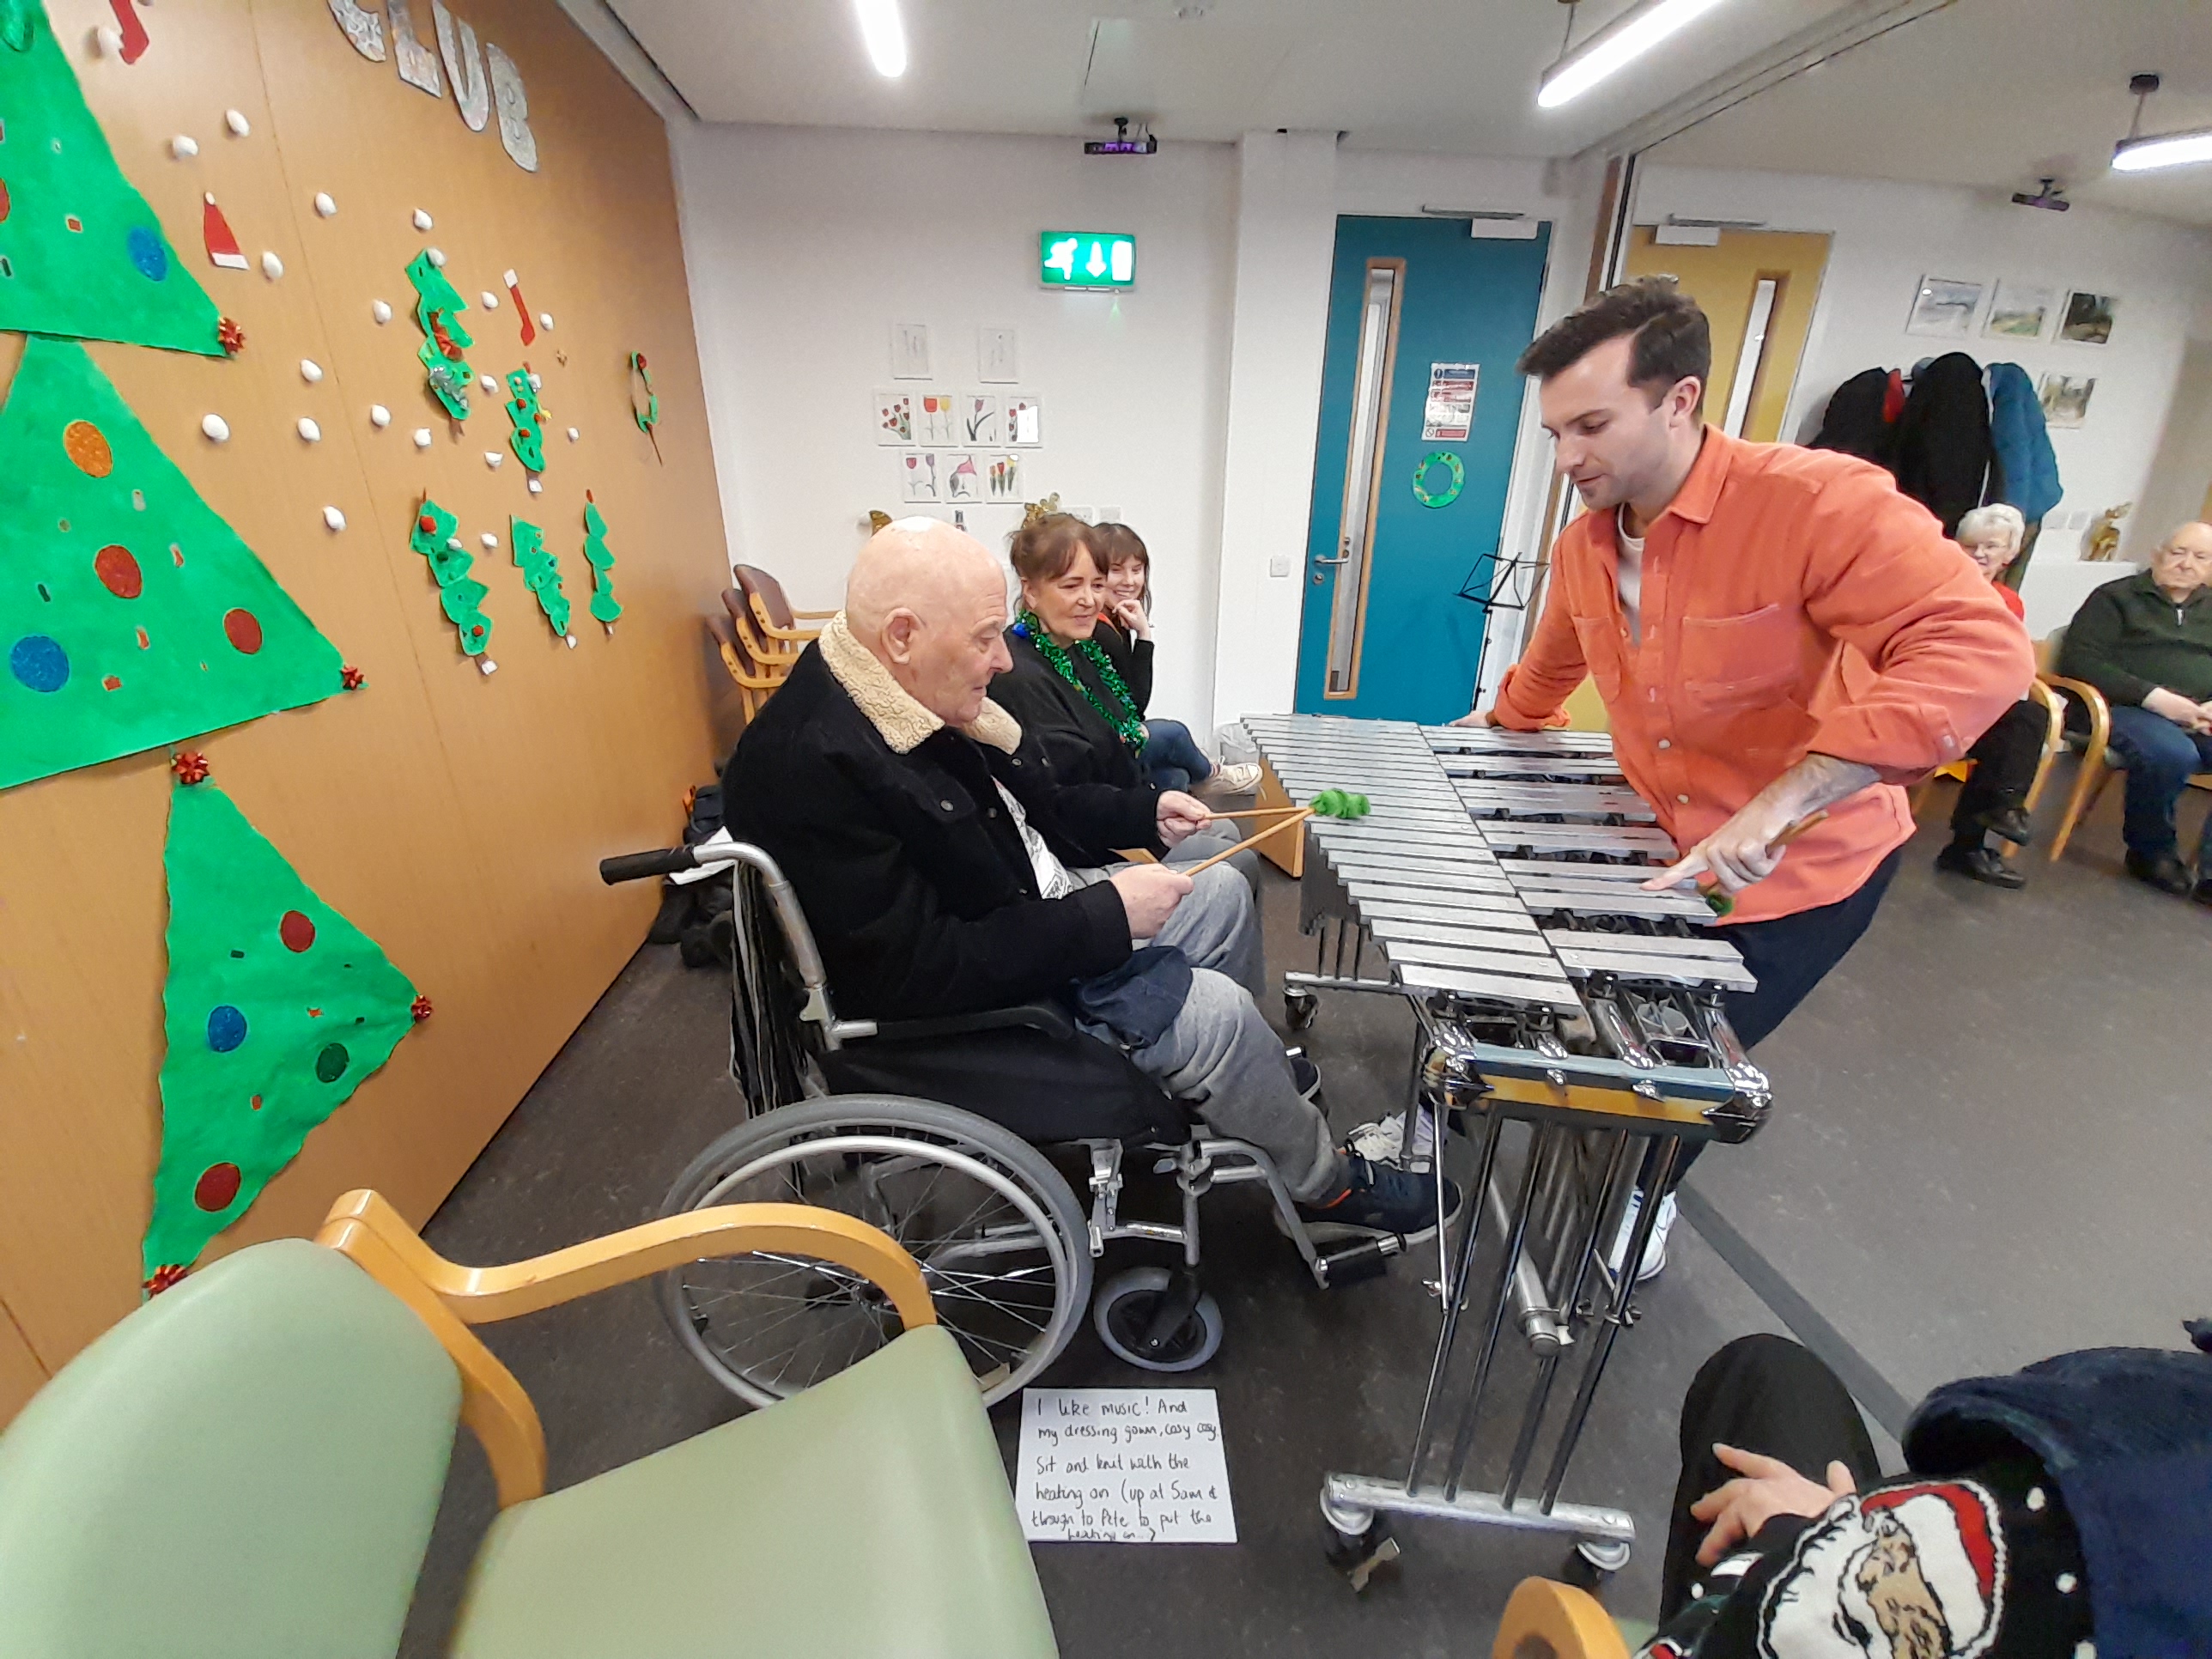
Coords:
1329,804
1723,901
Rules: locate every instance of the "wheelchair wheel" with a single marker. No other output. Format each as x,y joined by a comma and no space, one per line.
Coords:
1001,1238
1124,1311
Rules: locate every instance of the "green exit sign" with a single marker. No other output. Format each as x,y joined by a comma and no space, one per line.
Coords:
1086,258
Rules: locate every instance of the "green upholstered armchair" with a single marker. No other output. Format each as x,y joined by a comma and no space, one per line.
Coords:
248,1466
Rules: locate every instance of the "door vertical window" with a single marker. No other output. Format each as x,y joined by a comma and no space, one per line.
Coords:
1751,358
1370,407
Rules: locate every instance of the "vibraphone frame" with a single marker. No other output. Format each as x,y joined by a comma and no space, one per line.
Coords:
1498,877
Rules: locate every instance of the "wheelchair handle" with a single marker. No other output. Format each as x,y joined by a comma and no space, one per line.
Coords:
636,867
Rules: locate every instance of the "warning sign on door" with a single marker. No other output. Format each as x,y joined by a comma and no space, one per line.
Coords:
1449,416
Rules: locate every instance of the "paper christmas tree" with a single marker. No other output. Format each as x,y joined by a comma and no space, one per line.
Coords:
81,254
438,307
459,594
601,561
528,438
276,1009
131,615
541,572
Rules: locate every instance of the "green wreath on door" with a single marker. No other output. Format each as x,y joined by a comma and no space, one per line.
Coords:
1450,493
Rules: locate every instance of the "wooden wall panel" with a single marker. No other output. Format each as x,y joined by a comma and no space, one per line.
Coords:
456,817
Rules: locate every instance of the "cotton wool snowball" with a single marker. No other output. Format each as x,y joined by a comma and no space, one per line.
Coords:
184,145
488,540
333,518
379,416
487,383
421,219
380,311
574,434
271,266
545,319
421,437
323,204
536,487
236,121
493,458
438,257
310,431
216,428
310,370
490,300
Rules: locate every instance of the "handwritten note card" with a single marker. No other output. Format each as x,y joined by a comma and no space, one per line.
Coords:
1123,1466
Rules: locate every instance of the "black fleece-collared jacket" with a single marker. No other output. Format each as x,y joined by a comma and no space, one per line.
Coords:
910,868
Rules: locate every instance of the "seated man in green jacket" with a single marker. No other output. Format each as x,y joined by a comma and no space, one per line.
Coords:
2146,642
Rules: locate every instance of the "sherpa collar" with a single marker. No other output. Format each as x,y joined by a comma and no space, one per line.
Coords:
902,722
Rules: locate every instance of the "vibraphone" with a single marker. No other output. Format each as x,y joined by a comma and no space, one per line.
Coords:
1496,887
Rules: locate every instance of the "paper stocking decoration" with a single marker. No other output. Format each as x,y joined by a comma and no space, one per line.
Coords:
276,1009
81,254
131,615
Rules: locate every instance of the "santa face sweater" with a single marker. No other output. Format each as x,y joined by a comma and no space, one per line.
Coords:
1985,1563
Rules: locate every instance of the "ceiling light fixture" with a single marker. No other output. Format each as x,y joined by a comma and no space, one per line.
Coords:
883,35
1619,44
2138,153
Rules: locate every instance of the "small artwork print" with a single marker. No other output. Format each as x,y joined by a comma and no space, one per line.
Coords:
2019,311
918,474
1002,479
937,424
2066,398
909,351
1025,422
979,419
894,418
1943,309
2088,320
958,479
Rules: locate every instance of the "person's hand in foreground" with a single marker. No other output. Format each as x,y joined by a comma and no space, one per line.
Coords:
2189,716
1150,893
1741,851
1130,614
1180,816
1764,1487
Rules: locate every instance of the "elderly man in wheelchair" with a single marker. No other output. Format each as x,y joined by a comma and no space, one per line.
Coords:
1001,983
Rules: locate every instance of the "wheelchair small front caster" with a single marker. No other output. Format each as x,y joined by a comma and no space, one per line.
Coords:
1359,1555
1591,1562
1157,1320
1299,1008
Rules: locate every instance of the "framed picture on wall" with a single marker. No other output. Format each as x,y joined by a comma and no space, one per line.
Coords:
2021,311
1943,309
2088,320
2066,398
894,415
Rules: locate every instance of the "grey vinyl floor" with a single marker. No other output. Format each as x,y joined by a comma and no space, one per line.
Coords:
1993,1143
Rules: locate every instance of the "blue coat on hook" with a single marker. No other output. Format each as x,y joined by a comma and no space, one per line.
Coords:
2022,443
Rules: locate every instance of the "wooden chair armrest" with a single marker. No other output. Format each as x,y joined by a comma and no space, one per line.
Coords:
2055,707
2101,711
813,616
795,634
750,682
480,1296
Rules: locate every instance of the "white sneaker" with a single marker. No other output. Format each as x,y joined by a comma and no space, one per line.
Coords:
1655,1249
1383,1141
1241,778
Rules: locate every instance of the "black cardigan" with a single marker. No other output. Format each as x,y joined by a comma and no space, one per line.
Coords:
1132,659
1080,744
908,867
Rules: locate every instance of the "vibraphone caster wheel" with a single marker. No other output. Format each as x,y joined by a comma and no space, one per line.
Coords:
1299,1008
1591,1562
1359,1555
1157,1320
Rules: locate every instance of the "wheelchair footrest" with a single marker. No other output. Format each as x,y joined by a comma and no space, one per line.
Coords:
1370,1258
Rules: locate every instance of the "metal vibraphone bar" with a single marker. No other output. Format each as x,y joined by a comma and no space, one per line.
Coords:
1495,886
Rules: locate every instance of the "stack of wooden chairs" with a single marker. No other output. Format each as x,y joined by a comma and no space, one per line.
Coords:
761,636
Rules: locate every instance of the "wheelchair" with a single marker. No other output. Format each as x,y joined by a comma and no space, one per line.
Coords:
937,1131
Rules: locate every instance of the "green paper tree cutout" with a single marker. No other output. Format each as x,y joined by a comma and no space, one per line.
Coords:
528,438
131,615
438,307
460,594
602,561
81,254
276,1009
541,572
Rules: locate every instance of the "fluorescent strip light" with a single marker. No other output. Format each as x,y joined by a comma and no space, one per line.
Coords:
883,35
2163,150
1619,44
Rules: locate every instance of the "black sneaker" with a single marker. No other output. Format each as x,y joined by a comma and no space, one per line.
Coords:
1377,1199
1305,1076
1979,863
2012,825
2162,870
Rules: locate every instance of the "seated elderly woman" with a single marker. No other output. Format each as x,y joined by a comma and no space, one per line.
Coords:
946,873
2146,642
1994,799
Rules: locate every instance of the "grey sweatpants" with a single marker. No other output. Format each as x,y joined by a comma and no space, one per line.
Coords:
1219,1054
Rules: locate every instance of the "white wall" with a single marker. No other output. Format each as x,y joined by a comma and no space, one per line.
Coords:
2181,474
805,245
1888,236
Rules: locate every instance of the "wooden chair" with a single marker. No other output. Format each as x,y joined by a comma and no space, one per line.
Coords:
2098,760
249,1466
771,613
1548,1620
753,684
2054,740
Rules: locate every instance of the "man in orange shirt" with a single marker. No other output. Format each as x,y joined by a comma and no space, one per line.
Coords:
1775,631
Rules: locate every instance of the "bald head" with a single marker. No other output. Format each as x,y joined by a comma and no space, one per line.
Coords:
2183,562
929,602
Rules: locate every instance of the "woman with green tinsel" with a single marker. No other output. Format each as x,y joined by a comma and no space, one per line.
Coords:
1063,687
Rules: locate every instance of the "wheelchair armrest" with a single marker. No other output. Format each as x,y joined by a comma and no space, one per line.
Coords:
1046,1016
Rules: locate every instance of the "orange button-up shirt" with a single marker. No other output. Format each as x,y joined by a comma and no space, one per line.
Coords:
1793,602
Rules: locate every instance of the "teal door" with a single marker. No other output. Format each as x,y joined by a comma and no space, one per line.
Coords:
1409,485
